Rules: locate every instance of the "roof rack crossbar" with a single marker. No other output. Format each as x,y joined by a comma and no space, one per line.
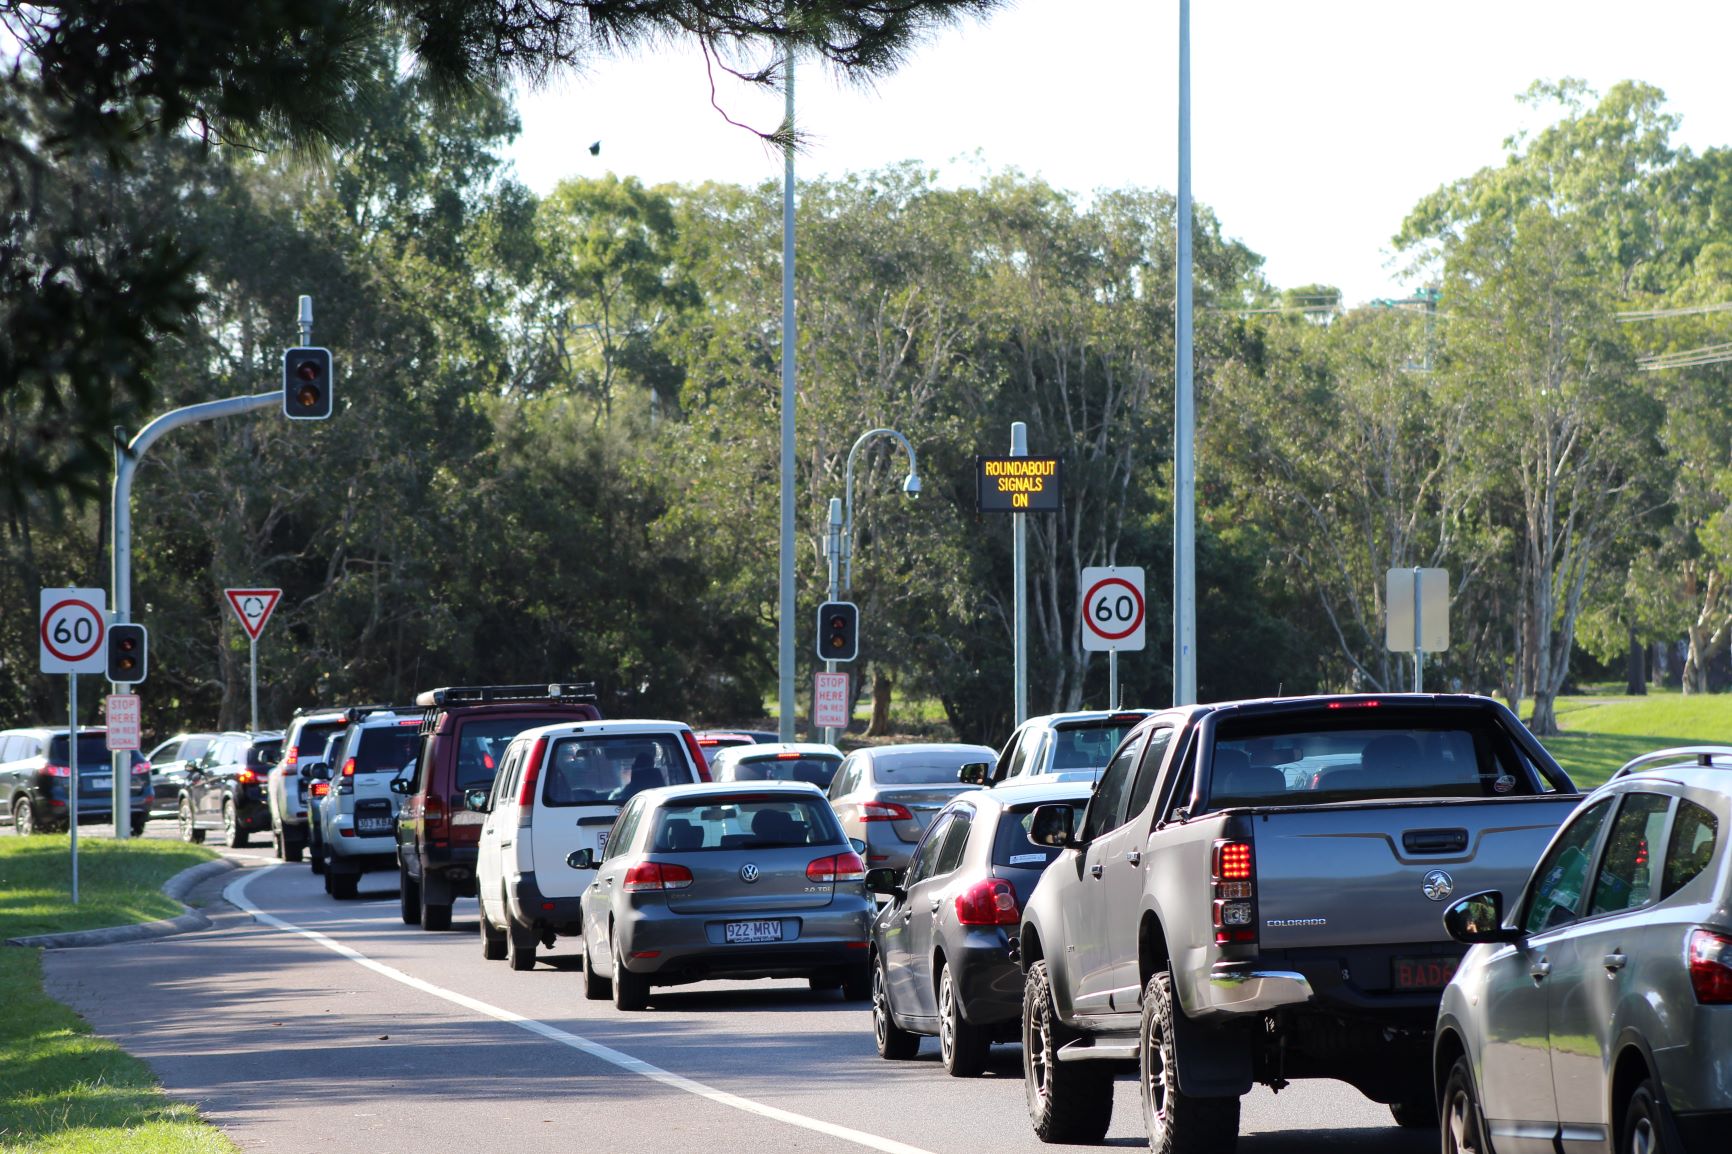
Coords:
583,691
1703,755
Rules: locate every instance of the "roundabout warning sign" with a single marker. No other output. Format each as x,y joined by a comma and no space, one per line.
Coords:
1113,611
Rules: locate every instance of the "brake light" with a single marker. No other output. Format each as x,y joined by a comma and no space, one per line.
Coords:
1353,704
531,775
321,788
141,769
843,867
1234,909
789,756
699,762
433,815
349,768
247,777
656,875
988,902
884,811
1711,967
57,770
1126,718
487,760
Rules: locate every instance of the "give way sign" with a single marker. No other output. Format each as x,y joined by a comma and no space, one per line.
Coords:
253,607
1113,611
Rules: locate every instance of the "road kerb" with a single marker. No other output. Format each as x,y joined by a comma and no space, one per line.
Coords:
176,888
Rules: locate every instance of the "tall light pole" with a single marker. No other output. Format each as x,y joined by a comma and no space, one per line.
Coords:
1184,416
910,487
785,637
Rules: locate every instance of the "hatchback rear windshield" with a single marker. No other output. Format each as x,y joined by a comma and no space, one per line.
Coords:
813,768
743,822
1287,762
387,749
589,770
92,751
922,768
1090,745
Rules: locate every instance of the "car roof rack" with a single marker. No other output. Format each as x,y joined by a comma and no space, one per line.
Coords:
1703,755
583,691
356,712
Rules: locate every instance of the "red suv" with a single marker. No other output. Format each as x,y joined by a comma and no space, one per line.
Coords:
463,738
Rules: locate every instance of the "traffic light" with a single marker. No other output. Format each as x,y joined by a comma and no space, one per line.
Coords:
128,654
838,631
307,383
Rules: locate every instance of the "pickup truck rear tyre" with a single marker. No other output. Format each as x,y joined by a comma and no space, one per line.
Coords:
894,1043
1067,1101
1177,1122
962,1046
408,897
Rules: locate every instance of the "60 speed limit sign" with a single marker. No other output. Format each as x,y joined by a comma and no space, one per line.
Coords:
74,631
1113,612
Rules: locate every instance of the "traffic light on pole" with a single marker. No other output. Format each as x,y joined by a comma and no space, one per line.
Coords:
838,631
307,384
128,654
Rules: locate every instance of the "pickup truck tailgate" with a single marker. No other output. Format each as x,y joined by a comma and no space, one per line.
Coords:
1358,873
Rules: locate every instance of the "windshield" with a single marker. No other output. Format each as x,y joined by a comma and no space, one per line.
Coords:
1088,746
745,822
814,768
608,768
388,749
923,768
1279,762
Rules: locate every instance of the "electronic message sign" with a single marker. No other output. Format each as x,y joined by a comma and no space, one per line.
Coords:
1018,484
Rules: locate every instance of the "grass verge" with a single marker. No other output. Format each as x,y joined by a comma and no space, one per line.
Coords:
119,882
1602,733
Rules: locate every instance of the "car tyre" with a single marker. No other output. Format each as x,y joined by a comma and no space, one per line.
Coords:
894,1043
409,898
189,831
315,849
1641,1122
596,988
344,887
493,941
233,835
630,991
1415,1114
962,1046
1067,1101
293,847
138,825
434,915
1463,1123
857,983
23,817
519,945
1177,1122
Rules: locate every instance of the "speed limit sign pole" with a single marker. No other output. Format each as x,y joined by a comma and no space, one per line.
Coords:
1113,616
73,629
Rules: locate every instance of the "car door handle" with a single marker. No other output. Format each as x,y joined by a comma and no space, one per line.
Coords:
1095,869
934,904
1540,969
1135,857
1614,962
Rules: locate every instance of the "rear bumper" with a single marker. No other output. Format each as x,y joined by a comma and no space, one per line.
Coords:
1347,981
451,866
1251,988
693,947
989,983
1704,1131
530,907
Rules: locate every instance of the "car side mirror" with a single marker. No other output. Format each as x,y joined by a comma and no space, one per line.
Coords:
1479,918
475,799
885,881
1051,825
974,773
581,859
400,785
318,771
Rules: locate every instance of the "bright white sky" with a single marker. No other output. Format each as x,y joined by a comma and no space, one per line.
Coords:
1315,128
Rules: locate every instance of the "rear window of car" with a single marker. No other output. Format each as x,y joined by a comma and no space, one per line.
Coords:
1089,745
1011,847
743,822
310,742
1288,762
387,749
812,768
265,753
92,751
610,767
923,768
481,746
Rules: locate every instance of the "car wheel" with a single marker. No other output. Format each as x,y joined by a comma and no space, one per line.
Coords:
189,831
1641,1122
316,853
857,983
293,847
327,876
23,817
233,835
1177,1122
345,887
1067,1101
596,987
409,898
962,1046
894,1043
1462,1128
434,915
1418,1113
492,940
519,945
630,991
828,980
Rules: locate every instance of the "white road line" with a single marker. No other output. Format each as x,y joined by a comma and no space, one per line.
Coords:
235,894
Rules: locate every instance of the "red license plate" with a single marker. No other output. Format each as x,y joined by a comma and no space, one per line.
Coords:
1423,973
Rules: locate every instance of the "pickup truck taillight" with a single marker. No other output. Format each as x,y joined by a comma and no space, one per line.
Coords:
988,902
1711,967
1235,885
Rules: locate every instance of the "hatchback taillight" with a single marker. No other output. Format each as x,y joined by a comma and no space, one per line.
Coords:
988,902
884,811
656,875
1235,893
142,769
843,867
1711,967
57,770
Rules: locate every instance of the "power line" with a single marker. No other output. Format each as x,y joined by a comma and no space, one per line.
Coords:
1658,314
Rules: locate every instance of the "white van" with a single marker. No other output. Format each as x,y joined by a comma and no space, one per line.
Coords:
558,790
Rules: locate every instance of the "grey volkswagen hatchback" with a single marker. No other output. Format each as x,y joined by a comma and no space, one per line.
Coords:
1595,1012
724,880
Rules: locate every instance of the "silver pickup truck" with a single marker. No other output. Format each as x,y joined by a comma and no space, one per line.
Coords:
1255,893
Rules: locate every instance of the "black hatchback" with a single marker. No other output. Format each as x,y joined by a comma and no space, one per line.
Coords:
942,948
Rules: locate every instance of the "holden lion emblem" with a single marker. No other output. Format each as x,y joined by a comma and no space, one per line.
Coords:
1437,885
749,873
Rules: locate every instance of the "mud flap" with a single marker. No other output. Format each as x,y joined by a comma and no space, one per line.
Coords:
1214,1062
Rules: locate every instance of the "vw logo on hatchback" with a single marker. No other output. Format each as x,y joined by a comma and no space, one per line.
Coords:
749,873
1437,885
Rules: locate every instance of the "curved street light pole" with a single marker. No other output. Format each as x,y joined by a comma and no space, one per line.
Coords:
910,486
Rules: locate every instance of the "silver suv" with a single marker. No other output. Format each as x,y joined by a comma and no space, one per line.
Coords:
357,818
1594,1012
288,787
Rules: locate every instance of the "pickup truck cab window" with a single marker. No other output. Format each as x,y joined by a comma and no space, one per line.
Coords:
1015,755
1154,754
1562,876
1106,807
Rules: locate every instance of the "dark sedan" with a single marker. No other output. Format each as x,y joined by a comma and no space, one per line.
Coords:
941,949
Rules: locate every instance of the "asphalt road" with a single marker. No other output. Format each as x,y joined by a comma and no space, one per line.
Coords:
317,1025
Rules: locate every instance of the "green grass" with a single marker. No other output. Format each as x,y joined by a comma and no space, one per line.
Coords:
1602,733
119,882
65,1091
